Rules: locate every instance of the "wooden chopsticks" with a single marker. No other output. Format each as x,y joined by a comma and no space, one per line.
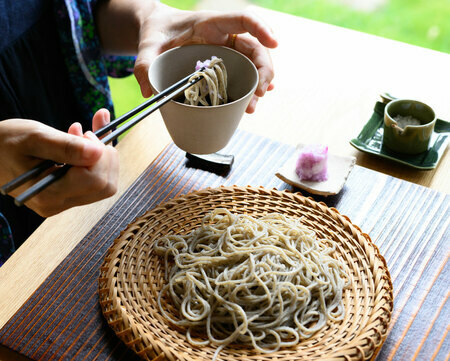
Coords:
154,103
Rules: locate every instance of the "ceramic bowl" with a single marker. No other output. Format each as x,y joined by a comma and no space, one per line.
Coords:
203,129
408,139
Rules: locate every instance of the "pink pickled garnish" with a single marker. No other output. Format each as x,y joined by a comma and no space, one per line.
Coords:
312,163
199,65
204,64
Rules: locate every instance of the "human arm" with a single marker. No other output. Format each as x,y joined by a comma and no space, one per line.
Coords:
25,143
148,28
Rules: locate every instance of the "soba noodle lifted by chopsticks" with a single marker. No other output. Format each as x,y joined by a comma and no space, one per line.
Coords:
213,84
265,282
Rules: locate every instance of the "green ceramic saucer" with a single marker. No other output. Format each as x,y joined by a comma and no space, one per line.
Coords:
370,140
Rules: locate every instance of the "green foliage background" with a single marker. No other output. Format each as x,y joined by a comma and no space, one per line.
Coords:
424,23
420,22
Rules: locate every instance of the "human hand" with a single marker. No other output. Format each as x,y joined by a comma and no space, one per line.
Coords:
165,28
25,143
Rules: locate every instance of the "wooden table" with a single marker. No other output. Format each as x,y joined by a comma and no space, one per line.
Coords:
327,82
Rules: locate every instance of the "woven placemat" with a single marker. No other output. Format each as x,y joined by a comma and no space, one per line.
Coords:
132,276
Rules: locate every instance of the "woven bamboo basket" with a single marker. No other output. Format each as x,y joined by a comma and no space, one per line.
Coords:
132,276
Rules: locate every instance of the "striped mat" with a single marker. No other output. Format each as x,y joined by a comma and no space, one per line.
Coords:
62,320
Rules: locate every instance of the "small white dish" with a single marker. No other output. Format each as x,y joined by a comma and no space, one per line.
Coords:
339,168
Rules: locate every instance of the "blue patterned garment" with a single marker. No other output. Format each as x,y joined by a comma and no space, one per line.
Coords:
88,66
88,70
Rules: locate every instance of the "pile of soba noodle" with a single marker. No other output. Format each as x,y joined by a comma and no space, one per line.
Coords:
265,282
212,87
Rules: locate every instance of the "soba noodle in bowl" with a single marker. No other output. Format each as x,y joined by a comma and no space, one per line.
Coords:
264,282
204,127
212,88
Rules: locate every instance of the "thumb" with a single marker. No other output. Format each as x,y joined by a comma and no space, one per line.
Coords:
63,148
141,66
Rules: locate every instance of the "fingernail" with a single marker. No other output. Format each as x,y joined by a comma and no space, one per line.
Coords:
90,135
105,117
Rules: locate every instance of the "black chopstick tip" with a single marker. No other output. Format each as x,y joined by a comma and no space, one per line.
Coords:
18,203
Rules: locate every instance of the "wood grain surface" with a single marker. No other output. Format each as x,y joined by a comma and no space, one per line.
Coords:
409,223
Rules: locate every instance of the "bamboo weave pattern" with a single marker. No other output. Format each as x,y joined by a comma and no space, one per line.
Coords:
132,276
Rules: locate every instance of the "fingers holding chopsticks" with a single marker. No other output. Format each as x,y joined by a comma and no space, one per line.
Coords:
76,136
83,184
43,142
80,185
25,143
101,118
87,151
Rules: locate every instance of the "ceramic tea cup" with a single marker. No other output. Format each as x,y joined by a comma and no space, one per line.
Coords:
408,126
203,129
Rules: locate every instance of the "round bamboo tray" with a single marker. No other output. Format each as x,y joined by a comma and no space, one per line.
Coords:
132,276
